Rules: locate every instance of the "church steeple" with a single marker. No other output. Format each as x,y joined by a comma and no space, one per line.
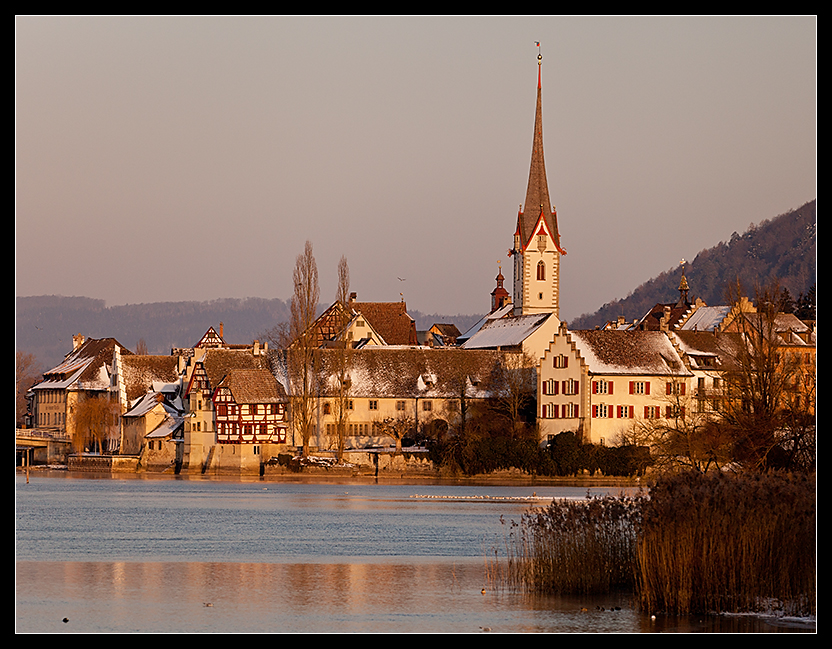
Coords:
537,201
537,247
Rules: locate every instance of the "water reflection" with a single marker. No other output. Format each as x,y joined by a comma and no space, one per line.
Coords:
198,557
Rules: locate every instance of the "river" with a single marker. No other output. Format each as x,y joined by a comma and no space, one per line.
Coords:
152,554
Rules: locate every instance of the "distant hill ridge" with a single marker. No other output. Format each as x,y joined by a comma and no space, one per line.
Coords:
782,248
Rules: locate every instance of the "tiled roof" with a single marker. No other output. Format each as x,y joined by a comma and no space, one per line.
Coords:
253,386
390,320
628,352
141,372
219,362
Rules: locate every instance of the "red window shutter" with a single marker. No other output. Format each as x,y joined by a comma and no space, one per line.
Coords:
566,361
668,388
610,386
647,388
667,412
683,389
595,387
556,385
646,412
594,411
632,411
632,386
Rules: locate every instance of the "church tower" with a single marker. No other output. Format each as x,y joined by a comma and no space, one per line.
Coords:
536,249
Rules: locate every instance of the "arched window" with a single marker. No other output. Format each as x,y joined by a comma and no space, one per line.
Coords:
541,270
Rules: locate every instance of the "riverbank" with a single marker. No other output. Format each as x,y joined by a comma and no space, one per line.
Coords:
508,478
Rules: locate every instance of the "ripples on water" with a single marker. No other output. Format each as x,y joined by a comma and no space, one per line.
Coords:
171,555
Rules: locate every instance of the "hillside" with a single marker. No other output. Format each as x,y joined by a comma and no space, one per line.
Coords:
782,248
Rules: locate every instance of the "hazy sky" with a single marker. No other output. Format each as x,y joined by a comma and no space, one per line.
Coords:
167,159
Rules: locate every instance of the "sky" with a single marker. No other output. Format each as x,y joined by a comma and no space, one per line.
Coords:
190,158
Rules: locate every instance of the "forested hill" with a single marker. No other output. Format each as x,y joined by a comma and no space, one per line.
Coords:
782,248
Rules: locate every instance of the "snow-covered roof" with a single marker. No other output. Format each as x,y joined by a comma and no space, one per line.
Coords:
502,312
506,332
628,352
166,428
706,318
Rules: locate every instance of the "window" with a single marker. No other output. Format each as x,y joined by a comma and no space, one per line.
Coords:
400,405
541,271
625,412
570,411
550,386
560,361
373,404
639,387
602,387
675,388
652,412
601,411
570,386
327,408
427,406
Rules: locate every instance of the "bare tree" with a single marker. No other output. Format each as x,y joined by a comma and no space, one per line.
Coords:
302,353
680,436
760,408
27,374
396,427
342,354
514,389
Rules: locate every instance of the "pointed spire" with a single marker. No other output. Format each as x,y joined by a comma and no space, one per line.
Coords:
537,201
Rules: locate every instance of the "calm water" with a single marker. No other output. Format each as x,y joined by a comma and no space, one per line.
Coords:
171,555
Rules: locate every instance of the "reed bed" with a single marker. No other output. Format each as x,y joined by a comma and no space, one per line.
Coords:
726,543
695,544
579,547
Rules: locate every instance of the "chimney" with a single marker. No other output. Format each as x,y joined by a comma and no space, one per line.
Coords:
77,341
353,297
221,330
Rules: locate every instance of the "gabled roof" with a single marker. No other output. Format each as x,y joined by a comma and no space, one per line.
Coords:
253,386
708,350
390,320
219,362
84,367
142,372
397,372
506,332
628,352
504,312
706,318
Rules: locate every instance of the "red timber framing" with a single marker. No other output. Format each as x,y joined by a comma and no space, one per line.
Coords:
247,420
